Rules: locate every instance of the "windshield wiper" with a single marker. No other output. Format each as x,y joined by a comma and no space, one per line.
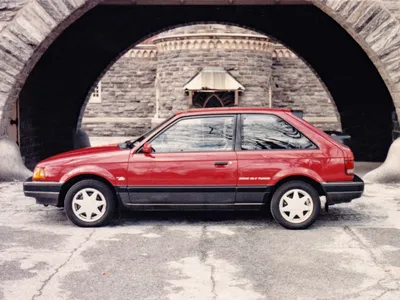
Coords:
127,145
130,144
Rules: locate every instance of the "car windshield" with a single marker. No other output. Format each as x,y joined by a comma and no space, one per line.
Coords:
133,143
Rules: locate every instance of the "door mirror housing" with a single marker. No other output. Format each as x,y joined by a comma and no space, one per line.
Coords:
147,148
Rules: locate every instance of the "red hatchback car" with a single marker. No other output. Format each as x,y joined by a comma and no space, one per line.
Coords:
230,158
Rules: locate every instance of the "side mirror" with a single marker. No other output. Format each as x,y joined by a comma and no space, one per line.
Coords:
147,148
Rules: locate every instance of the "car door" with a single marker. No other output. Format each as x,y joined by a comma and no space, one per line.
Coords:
193,163
267,145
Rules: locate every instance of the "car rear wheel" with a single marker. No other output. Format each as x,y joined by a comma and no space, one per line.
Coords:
89,203
295,205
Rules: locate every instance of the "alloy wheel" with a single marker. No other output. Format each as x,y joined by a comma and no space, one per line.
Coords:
89,205
296,206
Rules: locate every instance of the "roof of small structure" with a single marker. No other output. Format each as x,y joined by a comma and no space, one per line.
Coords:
213,79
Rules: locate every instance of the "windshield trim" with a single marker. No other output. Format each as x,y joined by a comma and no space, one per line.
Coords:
131,144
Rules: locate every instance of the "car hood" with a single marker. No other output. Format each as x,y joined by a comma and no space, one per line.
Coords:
81,153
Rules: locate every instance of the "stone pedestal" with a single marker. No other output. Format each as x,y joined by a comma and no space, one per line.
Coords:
389,171
12,167
81,139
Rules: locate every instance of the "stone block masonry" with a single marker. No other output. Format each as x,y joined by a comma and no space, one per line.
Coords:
148,81
127,91
295,86
177,67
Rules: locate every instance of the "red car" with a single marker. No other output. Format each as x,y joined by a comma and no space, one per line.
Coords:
229,158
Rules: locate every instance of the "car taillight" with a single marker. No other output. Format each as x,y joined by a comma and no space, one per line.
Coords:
349,167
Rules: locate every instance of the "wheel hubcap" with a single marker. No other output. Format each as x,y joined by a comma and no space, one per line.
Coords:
89,205
296,206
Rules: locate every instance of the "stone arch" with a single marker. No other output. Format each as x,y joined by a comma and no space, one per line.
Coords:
38,23
25,39
376,30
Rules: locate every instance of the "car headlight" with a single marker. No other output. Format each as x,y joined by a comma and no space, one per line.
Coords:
38,174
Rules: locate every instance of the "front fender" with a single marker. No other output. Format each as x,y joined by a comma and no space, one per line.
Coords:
296,172
88,170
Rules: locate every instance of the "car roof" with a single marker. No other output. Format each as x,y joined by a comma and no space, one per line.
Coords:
219,110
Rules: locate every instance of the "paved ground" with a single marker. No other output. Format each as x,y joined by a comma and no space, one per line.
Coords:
351,253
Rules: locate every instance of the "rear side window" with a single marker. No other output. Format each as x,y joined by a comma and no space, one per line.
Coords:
269,132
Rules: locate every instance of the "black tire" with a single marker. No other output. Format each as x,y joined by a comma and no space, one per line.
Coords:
100,187
295,185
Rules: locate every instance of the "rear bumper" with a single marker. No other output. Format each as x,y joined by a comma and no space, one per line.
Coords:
44,192
342,192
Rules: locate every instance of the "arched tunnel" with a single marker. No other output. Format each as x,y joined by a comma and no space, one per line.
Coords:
53,95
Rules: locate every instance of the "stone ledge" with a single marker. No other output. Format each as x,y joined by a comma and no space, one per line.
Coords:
321,119
159,120
210,35
214,41
283,52
113,120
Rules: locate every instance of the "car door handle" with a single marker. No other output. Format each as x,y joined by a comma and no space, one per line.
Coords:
221,163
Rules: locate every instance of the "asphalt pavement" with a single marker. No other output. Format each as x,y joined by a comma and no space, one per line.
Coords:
353,252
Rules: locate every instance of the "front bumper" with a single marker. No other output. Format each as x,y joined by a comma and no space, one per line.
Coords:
44,192
342,192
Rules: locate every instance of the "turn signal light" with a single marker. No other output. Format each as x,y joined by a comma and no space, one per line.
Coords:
349,167
38,174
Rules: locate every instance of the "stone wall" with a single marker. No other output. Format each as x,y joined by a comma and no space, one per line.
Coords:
251,68
127,91
129,128
393,6
8,10
295,86
175,56
246,54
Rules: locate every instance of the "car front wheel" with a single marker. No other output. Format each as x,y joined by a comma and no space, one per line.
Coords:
89,203
295,205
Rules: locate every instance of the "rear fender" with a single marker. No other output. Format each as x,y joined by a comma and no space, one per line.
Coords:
296,172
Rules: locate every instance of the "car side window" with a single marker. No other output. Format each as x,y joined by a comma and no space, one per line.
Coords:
270,132
197,135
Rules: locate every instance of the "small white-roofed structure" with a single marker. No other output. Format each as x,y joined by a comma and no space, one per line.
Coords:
211,80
